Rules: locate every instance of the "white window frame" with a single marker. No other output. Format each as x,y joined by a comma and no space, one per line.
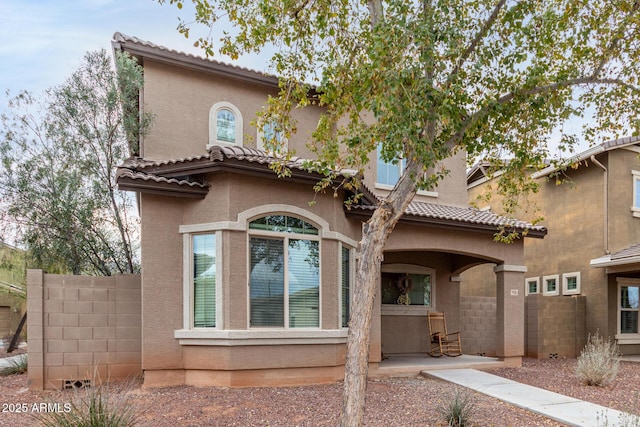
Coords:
565,283
401,165
620,337
409,310
555,277
526,285
213,124
285,237
221,336
187,280
260,139
352,276
635,208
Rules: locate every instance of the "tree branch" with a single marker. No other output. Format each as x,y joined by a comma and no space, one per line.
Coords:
476,40
505,99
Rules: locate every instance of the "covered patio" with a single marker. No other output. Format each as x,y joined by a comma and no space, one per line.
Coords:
411,365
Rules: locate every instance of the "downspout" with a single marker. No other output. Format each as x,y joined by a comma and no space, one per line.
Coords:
606,203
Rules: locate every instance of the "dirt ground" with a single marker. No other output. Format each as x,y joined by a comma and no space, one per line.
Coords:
398,402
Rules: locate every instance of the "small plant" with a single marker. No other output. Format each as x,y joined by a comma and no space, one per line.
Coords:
598,362
17,365
458,407
96,407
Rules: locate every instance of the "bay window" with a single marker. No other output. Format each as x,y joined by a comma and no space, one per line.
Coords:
284,273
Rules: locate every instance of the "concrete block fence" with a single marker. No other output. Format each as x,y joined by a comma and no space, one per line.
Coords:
82,329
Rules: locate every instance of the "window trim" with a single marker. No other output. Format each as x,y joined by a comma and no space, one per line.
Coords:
635,207
401,165
409,310
565,283
352,275
213,124
620,337
555,277
188,286
286,237
260,139
526,285
221,336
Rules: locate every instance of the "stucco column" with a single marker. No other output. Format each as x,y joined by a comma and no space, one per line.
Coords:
510,313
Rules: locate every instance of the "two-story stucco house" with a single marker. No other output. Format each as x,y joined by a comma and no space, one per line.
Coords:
592,248
244,282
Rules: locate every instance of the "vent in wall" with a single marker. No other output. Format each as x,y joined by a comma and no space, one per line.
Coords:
76,384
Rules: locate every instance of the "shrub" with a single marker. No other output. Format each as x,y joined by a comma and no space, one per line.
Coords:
17,365
458,407
598,362
96,407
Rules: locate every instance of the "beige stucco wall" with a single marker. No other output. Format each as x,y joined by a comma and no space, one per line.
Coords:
180,100
574,213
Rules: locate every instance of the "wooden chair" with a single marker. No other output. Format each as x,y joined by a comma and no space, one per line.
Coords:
442,342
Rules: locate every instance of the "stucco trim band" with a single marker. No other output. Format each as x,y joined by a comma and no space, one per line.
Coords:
510,268
260,337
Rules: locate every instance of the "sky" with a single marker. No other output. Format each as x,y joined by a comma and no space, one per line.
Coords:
44,41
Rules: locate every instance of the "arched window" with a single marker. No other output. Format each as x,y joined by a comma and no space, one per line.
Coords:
225,124
284,273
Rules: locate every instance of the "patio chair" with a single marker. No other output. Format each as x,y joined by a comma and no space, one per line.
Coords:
442,342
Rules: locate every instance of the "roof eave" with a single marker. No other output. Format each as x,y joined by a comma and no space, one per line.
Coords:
452,224
193,62
162,189
606,261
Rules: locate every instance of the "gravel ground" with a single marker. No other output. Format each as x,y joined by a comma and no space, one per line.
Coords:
398,402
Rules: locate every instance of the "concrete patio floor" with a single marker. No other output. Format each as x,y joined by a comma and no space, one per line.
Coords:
411,365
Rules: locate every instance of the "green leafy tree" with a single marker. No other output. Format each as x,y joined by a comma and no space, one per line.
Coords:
57,176
425,79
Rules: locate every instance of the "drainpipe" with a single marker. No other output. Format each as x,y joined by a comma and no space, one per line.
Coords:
606,204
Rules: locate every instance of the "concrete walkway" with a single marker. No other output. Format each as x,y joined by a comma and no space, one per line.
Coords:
568,410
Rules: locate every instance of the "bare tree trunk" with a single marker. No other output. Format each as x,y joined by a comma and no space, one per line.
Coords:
375,233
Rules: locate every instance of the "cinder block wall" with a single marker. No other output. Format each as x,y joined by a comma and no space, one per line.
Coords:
556,326
82,328
478,332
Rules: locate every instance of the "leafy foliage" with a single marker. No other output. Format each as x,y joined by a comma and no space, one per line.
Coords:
57,175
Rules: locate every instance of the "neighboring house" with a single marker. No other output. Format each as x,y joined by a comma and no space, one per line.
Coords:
12,289
245,282
593,244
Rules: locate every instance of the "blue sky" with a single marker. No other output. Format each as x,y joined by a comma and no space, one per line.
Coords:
43,41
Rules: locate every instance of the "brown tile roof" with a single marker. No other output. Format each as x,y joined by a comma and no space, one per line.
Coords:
142,48
467,217
175,177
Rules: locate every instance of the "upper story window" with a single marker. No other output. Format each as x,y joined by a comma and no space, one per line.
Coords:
635,208
268,137
225,124
284,273
387,173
